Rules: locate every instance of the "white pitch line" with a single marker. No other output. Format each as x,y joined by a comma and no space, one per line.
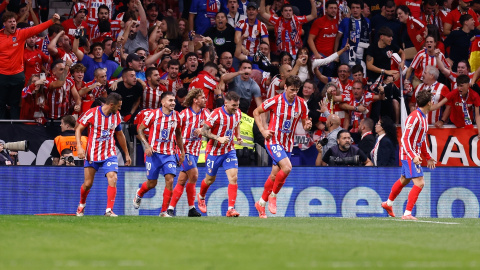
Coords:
424,221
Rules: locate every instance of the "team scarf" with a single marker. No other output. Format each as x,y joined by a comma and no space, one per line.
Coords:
363,31
374,152
212,10
357,115
466,115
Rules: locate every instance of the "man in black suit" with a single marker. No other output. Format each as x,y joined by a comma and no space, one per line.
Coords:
367,142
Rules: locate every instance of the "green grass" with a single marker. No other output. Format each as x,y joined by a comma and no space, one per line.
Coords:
96,242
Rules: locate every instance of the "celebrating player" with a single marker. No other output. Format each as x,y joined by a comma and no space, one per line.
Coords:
413,144
102,122
165,127
285,111
220,128
192,119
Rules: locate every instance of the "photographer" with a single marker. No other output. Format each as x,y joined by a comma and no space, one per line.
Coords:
6,158
67,158
344,154
66,140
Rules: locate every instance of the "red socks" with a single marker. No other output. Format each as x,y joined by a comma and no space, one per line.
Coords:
412,197
232,195
190,189
143,189
111,193
396,189
167,196
177,193
203,188
267,189
83,195
279,181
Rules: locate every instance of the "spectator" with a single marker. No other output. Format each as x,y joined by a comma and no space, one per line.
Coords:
208,83
453,20
61,48
415,29
5,158
387,18
58,91
384,152
98,61
12,78
305,67
431,14
249,32
169,27
131,91
94,89
364,99
135,62
191,72
33,100
463,68
77,72
202,14
439,91
344,153
459,40
226,62
180,98
78,21
241,83
323,33
151,11
367,139
333,127
288,27
354,31
171,79
312,96
42,43
233,16
135,35
102,16
153,91
277,83
66,140
34,59
222,34
334,103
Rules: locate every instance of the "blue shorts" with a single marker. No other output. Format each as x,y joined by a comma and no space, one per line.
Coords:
167,164
228,161
410,170
190,162
109,165
277,152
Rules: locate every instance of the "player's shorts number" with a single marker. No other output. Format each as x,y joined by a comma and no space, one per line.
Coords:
148,165
210,162
276,148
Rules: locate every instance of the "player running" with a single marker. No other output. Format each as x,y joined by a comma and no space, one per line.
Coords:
192,119
220,128
285,111
102,122
165,127
413,144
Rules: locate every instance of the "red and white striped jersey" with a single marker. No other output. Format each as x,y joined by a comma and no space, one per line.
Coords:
414,135
192,121
422,60
173,85
98,91
208,83
366,101
151,96
222,124
94,32
287,33
139,119
284,118
274,88
162,131
453,78
92,7
439,91
343,87
256,32
101,129
58,100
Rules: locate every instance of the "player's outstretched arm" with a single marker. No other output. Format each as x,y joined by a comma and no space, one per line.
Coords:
123,144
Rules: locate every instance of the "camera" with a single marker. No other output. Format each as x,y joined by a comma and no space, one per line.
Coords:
323,142
259,56
78,33
17,146
346,161
69,159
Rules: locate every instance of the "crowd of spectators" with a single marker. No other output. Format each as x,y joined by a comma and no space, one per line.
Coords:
355,59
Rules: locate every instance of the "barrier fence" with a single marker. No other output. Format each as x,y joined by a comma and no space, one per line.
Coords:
308,192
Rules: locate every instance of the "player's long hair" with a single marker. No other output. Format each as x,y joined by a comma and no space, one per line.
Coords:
192,94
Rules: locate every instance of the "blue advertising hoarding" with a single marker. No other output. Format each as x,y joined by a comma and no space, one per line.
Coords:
308,192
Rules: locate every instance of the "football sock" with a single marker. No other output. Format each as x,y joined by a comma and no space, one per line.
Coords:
262,202
396,189
412,197
203,189
143,189
167,196
279,181
190,189
177,193
111,193
232,195
267,189
83,195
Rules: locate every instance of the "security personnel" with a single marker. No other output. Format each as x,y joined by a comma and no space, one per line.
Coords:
66,139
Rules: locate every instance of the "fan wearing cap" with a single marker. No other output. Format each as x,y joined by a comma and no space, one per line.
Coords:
134,61
78,20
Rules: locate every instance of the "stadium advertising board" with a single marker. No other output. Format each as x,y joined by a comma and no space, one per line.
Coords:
308,192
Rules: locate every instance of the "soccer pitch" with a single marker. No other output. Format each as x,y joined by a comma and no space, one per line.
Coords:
97,242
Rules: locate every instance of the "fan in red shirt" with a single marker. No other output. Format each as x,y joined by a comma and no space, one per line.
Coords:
78,20
103,16
94,89
33,100
171,79
58,91
60,47
416,29
206,80
33,59
323,33
452,21
413,5
153,91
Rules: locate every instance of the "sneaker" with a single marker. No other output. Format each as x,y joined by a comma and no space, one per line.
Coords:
137,200
164,214
272,204
170,213
194,213
232,213
201,204
110,213
80,210
389,209
261,210
409,217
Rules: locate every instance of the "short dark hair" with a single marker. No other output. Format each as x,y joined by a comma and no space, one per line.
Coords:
339,134
245,61
464,18
125,70
69,120
461,79
211,65
103,7
56,62
182,92
152,5
293,80
97,44
149,72
357,68
387,4
423,97
220,12
113,98
190,54
129,15
331,2
173,62
368,122
385,31
165,94
56,28
285,6
356,2
405,9
66,151
232,95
